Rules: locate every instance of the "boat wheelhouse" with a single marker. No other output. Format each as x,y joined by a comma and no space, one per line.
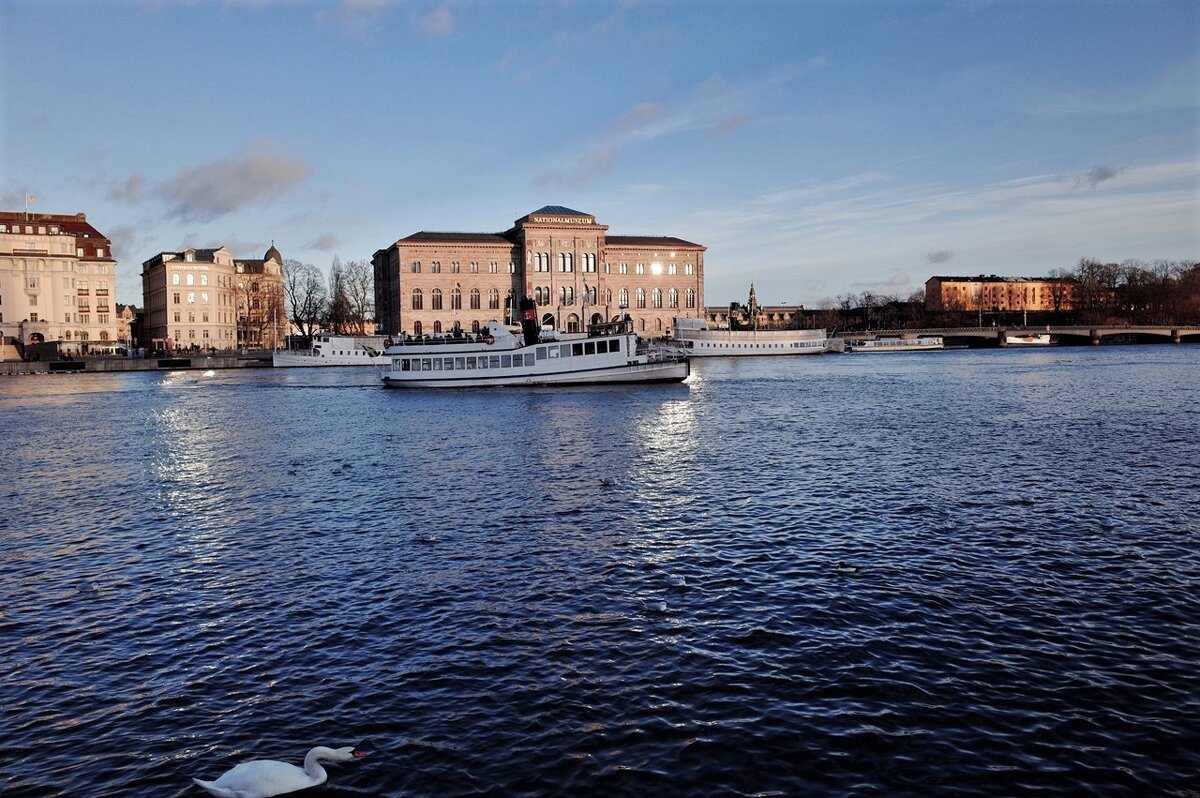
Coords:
610,353
700,341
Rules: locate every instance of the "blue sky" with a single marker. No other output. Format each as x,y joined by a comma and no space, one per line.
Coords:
815,148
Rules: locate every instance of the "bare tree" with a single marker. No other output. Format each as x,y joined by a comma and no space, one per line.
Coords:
358,284
305,296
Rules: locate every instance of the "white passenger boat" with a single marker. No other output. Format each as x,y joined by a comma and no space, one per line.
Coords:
1027,339
924,343
334,350
611,353
699,341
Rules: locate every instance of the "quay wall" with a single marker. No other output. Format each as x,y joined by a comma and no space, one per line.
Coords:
88,365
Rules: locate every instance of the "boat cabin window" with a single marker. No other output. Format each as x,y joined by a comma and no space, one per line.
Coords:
470,362
483,361
506,361
589,348
458,363
541,353
494,362
529,358
554,351
576,349
565,350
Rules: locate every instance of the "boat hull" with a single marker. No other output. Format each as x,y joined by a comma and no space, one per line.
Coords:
1041,339
653,372
295,360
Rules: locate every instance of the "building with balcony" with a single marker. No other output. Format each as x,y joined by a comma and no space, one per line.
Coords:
431,282
58,282
205,299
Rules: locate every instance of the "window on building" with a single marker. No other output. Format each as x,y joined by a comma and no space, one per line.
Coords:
687,268
437,327
474,267
456,298
191,279
512,267
418,302
493,268
191,297
656,298
474,299
690,298
494,299
435,267
454,267
671,268
175,278
33,317
435,299
416,267
623,268
672,298
640,268
641,297
623,297
175,298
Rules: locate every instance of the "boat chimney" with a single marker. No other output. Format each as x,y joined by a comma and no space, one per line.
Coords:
529,322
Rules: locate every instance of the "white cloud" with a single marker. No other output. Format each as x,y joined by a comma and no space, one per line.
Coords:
438,22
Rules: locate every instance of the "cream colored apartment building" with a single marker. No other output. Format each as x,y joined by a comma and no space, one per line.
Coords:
58,280
204,299
578,274
996,294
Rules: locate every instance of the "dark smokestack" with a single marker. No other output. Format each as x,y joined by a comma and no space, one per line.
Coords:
529,320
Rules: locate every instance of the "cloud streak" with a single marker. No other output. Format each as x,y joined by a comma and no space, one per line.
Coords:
211,190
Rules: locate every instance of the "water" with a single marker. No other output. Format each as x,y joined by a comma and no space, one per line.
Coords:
955,573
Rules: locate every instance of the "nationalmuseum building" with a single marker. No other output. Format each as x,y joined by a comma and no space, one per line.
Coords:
562,259
58,281
203,299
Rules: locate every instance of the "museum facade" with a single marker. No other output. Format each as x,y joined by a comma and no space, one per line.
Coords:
562,259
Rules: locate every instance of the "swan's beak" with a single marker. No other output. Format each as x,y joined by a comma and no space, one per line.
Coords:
358,754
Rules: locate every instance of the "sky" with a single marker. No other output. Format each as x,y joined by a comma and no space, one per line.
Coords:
816,148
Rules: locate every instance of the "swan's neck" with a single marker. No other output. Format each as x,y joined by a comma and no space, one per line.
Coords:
312,765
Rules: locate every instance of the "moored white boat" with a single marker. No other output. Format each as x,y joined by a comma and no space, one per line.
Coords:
610,353
699,341
1027,339
333,350
924,343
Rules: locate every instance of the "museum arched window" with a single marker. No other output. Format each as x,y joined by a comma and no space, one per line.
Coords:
641,298
690,298
623,297
656,297
474,299
456,298
418,301
435,299
672,298
494,299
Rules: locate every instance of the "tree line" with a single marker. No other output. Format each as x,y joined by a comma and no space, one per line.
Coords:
1132,292
341,302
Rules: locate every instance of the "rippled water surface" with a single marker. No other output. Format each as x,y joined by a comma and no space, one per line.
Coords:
954,573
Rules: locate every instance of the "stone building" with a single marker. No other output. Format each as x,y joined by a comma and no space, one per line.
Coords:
992,294
563,259
203,299
58,281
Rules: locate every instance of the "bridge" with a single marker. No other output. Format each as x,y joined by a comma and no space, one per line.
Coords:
1071,335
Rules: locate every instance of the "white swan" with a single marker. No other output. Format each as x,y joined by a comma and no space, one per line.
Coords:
262,778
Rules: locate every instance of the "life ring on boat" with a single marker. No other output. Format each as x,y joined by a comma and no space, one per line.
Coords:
489,340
